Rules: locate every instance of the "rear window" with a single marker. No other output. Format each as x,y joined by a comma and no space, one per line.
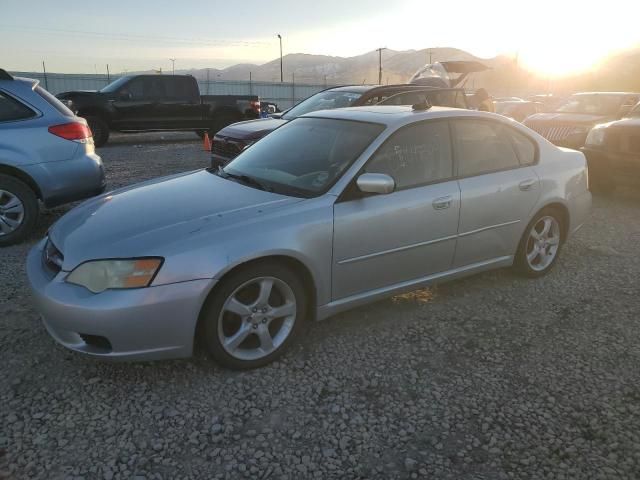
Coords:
12,110
54,102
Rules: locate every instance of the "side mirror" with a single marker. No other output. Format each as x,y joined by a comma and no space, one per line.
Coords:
376,183
125,96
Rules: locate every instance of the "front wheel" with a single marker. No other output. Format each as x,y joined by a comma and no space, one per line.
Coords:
254,315
540,245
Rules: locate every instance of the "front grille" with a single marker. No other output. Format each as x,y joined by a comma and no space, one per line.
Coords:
226,148
52,258
553,133
623,140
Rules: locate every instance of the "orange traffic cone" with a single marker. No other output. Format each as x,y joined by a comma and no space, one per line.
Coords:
206,143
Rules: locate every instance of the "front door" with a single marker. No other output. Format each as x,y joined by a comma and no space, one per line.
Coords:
136,104
385,240
498,187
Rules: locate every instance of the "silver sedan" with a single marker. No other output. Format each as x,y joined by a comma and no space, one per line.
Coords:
333,210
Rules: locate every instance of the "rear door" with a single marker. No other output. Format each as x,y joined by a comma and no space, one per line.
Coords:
181,107
498,186
384,240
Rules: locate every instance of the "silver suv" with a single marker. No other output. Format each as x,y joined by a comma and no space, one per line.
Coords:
46,155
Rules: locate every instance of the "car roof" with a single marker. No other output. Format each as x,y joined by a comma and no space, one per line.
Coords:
391,115
398,86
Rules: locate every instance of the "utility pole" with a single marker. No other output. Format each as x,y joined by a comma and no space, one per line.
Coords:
380,64
430,52
108,75
173,66
208,71
281,70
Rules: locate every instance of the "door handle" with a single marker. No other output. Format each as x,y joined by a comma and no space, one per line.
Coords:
526,184
442,202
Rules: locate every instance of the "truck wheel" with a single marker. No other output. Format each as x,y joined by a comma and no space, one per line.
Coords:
99,129
18,210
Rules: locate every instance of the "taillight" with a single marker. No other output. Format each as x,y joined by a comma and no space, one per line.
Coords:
77,132
255,106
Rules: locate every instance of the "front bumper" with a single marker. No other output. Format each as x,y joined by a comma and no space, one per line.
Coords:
139,324
624,167
69,180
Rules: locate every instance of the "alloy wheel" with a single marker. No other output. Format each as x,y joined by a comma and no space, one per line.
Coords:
543,243
11,212
257,318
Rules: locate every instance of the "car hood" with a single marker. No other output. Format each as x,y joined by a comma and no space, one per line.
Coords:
625,122
251,129
573,118
142,220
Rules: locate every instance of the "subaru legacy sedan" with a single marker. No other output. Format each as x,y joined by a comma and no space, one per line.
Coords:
335,209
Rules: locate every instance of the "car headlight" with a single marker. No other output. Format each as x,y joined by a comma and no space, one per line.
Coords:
595,137
100,275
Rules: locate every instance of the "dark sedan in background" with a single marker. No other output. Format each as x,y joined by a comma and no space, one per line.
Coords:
613,152
569,125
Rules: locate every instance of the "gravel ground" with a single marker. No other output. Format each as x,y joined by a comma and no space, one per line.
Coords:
486,378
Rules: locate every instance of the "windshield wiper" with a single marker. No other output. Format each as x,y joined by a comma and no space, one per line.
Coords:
246,179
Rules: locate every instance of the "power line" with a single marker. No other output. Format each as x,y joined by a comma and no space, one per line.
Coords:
135,37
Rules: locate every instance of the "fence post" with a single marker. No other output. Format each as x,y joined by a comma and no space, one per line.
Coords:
44,70
293,89
250,84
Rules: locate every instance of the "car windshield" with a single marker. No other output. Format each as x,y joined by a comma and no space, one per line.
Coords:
327,100
592,104
303,158
115,85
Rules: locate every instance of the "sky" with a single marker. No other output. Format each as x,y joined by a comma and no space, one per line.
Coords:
553,37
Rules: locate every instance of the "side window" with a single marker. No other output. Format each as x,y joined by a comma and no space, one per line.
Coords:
524,146
136,88
482,146
415,155
375,100
11,109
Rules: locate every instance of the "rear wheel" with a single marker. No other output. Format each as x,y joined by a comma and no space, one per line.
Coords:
99,129
254,315
18,210
540,245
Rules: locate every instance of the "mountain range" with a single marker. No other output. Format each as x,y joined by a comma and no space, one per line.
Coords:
620,71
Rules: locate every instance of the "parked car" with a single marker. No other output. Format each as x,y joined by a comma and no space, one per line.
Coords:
46,155
267,109
330,211
517,109
447,74
136,103
569,124
230,141
549,102
613,152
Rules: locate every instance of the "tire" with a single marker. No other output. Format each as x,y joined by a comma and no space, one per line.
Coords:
99,129
548,225
239,329
18,210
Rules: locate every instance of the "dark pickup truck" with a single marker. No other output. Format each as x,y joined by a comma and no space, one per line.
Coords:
138,103
230,141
